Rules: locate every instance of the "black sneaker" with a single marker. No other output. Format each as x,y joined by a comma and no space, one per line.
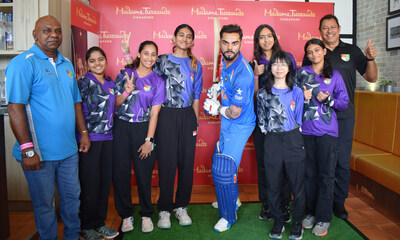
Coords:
277,230
297,231
265,214
340,211
286,214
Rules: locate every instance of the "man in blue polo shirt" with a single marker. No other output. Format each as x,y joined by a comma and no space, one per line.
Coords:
44,107
237,122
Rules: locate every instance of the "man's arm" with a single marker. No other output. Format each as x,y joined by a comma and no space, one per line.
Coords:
19,126
371,73
81,125
231,112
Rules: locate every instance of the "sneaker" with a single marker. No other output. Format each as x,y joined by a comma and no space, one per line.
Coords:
238,204
222,225
265,214
147,225
183,217
277,230
297,231
163,220
340,211
107,232
286,214
308,222
127,224
89,234
321,228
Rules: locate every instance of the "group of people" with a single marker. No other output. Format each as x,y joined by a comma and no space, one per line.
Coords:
301,120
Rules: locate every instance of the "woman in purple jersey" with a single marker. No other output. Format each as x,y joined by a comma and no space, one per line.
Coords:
95,166
177,128
324,93
265,44
140,92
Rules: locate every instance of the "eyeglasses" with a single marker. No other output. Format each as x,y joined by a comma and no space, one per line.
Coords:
280,65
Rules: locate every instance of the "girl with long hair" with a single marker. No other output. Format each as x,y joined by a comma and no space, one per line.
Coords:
324,93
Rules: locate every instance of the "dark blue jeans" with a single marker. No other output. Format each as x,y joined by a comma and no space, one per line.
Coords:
321,152
41,188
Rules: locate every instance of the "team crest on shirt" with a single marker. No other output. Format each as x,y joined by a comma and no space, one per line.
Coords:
292,105
111,91
327,81
191,77
70,74
146,87
345,57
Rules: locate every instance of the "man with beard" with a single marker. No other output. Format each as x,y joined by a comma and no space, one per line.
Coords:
237,122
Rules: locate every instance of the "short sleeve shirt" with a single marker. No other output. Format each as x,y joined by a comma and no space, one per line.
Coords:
98,101
49,93
149,91
183,84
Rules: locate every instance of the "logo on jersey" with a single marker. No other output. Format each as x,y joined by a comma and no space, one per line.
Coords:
111,91
238,92
191,77
70,74
327,80
345,57
292,105
146,87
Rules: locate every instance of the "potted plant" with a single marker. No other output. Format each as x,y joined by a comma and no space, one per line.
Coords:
385,85
389,86
382,84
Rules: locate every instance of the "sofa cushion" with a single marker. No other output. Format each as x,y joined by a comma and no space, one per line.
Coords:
383,169
396,150
384,121
359,149
365,117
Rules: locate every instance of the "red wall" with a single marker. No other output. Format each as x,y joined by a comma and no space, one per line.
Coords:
294,23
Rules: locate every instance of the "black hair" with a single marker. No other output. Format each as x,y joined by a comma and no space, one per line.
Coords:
231,28
284,57
94,49
326,17
258,51
136,62
193,59
327,69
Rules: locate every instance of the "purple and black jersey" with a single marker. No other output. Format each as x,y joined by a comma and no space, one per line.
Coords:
280,111
149,91
319,118
183,84
98,102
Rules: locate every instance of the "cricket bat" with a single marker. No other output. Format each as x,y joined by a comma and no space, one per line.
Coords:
217,55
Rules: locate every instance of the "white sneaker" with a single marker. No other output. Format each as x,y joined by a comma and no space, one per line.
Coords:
127,224
222,225
163,221
183,217
238,204
147,225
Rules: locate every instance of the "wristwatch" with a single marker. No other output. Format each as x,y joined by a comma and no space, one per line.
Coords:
28,154
149,139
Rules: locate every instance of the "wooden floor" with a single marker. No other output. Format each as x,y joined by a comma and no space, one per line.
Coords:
371,219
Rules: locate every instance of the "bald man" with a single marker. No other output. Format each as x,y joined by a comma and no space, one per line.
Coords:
44,107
